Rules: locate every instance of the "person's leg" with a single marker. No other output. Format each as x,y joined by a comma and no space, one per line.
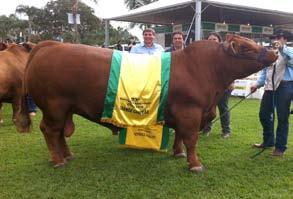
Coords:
225,113
32,108
266,118
284,95
207,128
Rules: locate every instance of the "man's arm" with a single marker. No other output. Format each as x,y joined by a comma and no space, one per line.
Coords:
288,51
260,81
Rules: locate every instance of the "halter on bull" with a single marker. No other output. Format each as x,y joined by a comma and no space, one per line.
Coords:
74,81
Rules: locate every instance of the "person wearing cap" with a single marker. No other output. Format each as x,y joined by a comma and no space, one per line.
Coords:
282,93
147,46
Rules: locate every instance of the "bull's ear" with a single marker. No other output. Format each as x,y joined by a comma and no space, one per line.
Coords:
3,46
28,46
233,47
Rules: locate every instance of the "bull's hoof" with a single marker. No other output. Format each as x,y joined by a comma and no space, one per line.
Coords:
180,155
199,169
59,165
70,157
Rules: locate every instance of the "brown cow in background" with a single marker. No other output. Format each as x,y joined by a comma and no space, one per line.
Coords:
67,79
13,58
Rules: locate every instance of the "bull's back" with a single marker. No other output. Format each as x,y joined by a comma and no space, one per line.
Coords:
74,76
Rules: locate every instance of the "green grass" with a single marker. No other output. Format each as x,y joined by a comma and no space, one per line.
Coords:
102,169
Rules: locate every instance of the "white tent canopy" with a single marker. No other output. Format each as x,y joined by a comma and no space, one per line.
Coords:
260,12
276,13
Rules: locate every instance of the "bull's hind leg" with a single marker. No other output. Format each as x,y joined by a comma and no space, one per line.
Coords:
67,132
53,130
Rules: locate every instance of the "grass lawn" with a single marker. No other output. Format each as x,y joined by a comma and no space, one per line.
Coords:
102,169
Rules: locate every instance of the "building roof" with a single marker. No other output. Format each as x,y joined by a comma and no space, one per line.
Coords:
256,12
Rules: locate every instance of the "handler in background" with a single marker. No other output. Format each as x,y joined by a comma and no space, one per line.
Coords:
147,46
223,102
283,94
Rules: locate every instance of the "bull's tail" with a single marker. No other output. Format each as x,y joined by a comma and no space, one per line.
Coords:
23,121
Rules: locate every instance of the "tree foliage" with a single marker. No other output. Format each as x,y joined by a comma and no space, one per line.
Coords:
51,22
133,4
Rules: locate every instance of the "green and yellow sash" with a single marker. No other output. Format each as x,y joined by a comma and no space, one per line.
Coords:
153,137
137,89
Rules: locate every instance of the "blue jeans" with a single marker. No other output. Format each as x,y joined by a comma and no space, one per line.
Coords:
31,104
284,95
223,109
266,118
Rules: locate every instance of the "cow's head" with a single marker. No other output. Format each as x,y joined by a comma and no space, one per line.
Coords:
28,46
244,48
3,46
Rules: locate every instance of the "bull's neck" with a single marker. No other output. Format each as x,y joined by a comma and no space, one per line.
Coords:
19,54
230,68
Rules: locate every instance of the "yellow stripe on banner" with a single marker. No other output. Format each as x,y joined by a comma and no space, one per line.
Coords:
148,137
139,88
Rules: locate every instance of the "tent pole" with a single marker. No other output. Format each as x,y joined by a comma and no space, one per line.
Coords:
197,25
106,33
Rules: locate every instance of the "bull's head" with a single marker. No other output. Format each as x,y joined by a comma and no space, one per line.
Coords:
245,48
28,46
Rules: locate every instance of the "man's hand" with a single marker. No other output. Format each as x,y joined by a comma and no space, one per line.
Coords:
253,88
277,45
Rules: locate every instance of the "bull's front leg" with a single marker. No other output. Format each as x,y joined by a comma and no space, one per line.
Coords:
188,124
16,102
190,141
1,118
178,146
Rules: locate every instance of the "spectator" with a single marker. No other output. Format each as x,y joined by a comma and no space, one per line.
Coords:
32,108
223,102
177,42
131,43
119,46
147,46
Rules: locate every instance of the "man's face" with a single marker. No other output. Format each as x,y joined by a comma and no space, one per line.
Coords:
213,38
178,41
279,42
148,38
282,40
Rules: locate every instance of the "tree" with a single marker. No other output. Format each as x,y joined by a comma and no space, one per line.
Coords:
133,4
10,27
51,22
31,12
